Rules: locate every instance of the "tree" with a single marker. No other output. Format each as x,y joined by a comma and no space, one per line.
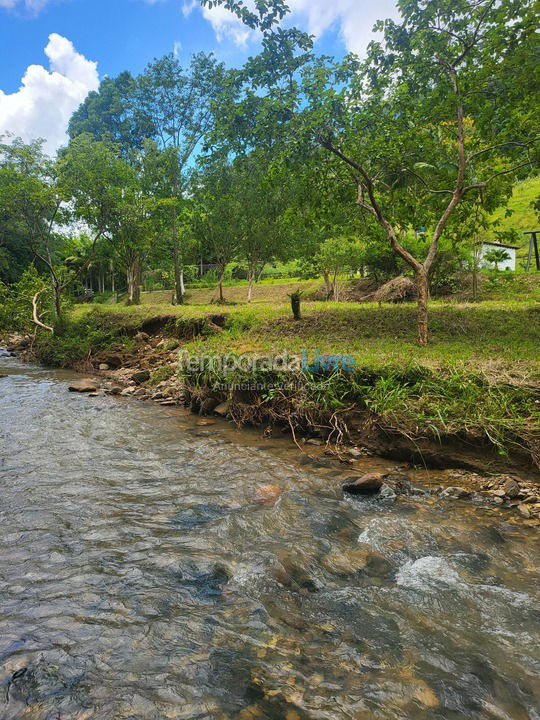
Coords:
35,198
179,105
108,194
111,114
218,220
409,125
496,256
335,257
264,233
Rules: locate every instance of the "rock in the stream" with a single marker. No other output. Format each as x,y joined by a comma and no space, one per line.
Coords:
356,453
103,367
141,376
511,488
266,494
83,386
455,493
222,409
347,562
364,485
388,492
524,510
115,390
208,406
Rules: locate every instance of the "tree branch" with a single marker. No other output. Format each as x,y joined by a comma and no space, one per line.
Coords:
482,185
35,314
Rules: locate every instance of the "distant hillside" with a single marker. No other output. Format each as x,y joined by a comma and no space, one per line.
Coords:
524,216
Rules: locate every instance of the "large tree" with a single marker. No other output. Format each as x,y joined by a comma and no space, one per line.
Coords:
178,103
410,125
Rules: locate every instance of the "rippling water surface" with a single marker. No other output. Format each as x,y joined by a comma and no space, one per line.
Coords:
139,580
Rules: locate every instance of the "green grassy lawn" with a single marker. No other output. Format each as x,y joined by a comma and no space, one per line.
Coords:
264,292
500,338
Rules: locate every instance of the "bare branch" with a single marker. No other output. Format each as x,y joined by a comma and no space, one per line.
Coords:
35,314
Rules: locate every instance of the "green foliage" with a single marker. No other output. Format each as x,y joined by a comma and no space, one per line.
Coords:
16,302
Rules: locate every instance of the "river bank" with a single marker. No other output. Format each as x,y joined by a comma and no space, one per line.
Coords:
139,359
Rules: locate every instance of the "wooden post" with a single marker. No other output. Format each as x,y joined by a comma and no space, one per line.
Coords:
533,246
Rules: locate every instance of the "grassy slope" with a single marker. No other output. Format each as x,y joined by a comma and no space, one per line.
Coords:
496,337
523,217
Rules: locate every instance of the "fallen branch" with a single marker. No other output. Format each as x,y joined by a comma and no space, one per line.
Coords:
35,314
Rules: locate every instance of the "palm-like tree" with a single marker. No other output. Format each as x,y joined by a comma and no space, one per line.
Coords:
496,256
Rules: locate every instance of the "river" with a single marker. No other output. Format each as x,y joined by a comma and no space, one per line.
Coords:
139,579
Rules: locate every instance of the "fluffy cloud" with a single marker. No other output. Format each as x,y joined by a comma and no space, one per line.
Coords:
353,20
31,5
44,103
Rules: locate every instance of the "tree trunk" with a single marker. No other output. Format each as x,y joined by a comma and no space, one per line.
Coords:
252,277
133,283
220,284
328,284
178,278
57,296
423,296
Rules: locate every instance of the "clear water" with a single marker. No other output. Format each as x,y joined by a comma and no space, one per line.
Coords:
138,579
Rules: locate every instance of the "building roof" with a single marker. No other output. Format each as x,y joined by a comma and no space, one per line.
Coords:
501,245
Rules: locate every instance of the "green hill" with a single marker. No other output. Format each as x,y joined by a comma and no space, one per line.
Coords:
524,217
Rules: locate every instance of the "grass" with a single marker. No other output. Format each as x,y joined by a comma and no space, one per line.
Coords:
524,217
264,292
495,337
479,377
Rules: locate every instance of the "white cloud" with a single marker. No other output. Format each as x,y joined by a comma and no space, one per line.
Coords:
227,26
352,19
44,103
31,5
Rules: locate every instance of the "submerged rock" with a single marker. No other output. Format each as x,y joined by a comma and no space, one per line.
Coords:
348,562
83,386
266,494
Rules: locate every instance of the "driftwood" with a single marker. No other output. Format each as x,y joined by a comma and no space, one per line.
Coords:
35,314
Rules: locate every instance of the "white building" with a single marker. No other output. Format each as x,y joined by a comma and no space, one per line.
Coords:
508,264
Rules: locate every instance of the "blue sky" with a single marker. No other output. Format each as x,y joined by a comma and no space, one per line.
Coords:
53,52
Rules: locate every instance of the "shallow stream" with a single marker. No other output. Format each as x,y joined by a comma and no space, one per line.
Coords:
140,580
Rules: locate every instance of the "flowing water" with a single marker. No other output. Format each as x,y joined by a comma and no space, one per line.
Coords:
138,579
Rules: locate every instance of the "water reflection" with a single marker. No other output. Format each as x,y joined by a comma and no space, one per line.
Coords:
140,580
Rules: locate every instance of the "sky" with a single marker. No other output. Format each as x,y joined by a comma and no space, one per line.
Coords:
54,52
